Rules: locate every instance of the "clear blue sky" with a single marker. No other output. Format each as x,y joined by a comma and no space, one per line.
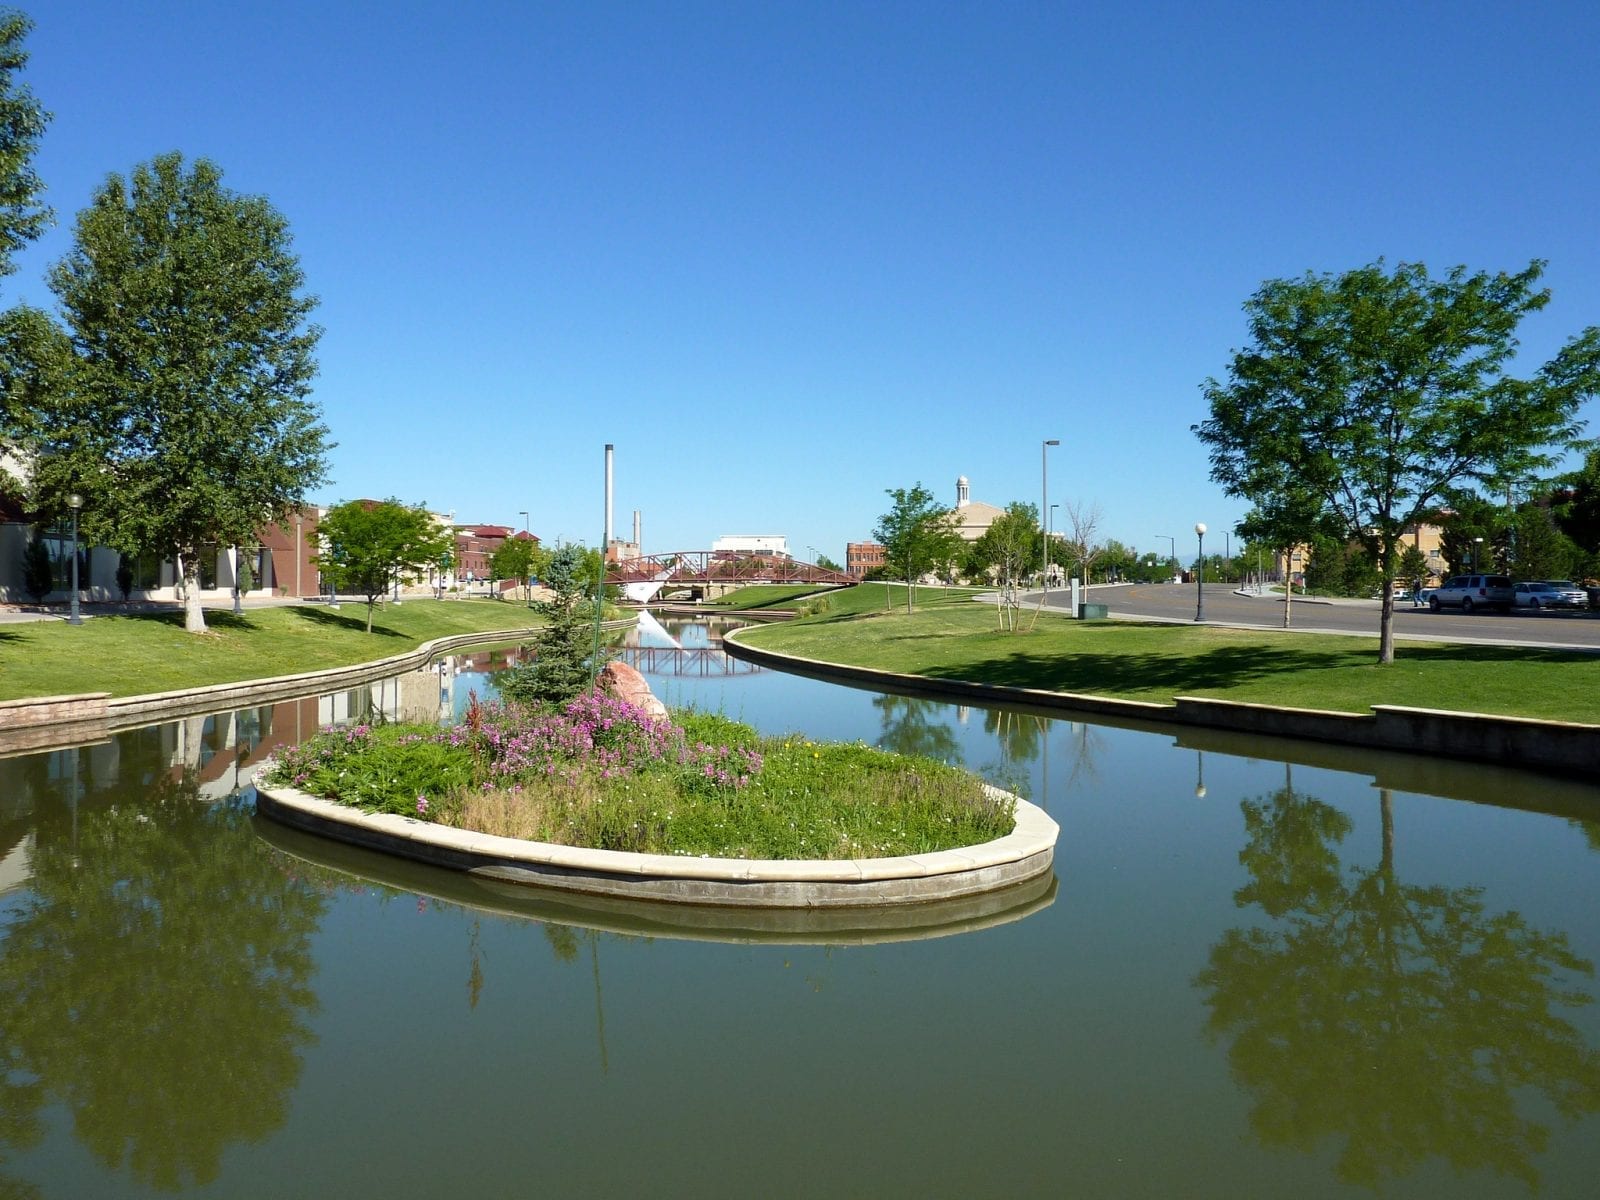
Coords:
786,256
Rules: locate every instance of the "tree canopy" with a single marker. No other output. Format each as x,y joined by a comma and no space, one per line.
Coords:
367,545
22,121
518,558
1373,392
917,534
181,408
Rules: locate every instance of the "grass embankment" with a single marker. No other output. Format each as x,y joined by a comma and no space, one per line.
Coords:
139,653
602,774
1158,662
764,595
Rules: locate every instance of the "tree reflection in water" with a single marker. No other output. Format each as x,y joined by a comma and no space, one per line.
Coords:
916,726
1401,1019
157,975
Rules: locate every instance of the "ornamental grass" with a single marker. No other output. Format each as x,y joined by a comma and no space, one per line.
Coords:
602,773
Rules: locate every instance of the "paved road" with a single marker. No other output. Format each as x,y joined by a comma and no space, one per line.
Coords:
1176,602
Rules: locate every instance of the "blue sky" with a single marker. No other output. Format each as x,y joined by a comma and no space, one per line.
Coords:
786,256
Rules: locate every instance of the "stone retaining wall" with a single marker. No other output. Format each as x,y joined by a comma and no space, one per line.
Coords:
1556,747
1028,851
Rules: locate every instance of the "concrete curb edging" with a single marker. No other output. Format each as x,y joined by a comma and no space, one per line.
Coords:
1526,743
1026,852
97,715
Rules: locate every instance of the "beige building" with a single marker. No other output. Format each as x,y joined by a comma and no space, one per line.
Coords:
973,517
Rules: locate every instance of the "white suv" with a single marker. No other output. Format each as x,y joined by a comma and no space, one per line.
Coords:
1468,592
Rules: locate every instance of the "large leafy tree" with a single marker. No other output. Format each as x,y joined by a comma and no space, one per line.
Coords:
1376,391
367,545
22,218
184,417
22,120
1577,510
917,535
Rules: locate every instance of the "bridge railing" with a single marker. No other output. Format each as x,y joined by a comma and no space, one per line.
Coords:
720,567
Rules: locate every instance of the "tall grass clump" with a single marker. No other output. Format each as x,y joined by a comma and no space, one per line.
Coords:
602,773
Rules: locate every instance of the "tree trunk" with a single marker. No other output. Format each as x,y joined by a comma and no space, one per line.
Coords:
371,600
1386,625
194,617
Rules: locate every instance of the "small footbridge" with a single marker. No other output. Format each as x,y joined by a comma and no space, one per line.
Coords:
712,572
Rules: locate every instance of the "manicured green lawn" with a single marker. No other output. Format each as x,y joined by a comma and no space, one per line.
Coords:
764,595
1157,662
150,652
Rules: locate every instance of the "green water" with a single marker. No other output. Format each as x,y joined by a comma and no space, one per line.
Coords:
1262,969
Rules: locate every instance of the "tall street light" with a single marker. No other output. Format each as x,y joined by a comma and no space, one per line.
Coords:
1172,555
1200,573
75,502
1044,506
523,513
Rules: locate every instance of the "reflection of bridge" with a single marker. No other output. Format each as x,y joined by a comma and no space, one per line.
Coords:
643,577
672,660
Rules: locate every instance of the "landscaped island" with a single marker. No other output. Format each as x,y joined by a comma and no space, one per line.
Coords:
599,796
602,773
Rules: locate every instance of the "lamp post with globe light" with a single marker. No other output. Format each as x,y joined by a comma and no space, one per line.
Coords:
75,502
1200,573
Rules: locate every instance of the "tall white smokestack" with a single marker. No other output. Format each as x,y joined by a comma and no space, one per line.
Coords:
636,540
605,547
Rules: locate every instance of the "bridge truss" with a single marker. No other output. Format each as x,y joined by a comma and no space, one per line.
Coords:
686,568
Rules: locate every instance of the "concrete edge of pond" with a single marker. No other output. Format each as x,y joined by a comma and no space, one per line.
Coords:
44,722
1028,851
1565,748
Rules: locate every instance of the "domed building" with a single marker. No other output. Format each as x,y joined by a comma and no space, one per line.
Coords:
973,517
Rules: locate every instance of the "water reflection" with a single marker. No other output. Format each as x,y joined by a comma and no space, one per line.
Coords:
1398,1020
1415,1020
157,974
916,726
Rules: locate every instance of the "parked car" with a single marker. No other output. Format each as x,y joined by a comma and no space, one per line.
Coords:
1468,592
1551,593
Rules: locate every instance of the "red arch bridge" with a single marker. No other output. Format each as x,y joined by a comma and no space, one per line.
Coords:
708,572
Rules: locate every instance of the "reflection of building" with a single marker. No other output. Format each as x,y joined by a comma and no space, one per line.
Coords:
861,557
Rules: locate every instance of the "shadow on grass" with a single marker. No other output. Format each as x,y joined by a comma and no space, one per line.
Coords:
1220,667
173,618
340,619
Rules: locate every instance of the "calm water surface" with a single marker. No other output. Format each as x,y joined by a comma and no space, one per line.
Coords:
1263,969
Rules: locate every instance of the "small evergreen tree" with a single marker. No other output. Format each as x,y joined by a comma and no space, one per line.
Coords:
565,648
124,577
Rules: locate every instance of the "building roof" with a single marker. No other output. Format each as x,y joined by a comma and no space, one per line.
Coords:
974,518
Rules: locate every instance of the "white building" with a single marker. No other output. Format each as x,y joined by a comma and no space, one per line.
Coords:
766,545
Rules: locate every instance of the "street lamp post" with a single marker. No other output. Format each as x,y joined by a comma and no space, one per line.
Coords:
75,502
1477,554
1200,573
1044,507
1172,556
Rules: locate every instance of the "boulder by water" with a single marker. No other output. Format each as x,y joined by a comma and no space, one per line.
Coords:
622,681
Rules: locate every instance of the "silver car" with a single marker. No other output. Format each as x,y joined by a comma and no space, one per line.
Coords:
1551,593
